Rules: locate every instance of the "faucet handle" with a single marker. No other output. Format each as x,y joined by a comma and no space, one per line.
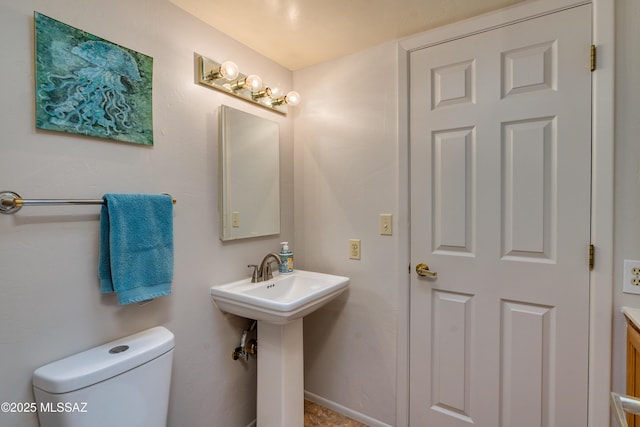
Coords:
254,275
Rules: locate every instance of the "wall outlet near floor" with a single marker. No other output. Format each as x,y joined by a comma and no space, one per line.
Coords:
354,248
631,281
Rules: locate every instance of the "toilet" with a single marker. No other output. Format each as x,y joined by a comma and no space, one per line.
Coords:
121,383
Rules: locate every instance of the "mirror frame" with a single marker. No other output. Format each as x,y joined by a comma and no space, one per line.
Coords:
248,202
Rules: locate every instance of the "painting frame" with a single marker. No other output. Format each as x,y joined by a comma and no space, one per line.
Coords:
89,86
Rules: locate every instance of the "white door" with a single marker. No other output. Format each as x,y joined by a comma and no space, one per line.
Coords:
500,140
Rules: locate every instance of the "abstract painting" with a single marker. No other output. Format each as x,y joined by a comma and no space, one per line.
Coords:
89,86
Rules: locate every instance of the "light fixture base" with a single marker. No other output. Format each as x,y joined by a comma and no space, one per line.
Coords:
205,66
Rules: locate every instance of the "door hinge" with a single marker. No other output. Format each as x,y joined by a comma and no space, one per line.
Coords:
592,257
593,57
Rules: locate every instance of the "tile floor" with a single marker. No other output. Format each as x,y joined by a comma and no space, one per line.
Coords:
316,415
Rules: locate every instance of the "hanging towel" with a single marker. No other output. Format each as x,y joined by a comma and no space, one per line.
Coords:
136,246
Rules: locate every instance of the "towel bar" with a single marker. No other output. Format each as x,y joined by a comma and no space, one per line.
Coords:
11,202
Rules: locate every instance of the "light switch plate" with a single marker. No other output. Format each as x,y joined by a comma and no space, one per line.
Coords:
386,227
235,219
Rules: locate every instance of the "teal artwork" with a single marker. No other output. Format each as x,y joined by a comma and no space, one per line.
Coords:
89,86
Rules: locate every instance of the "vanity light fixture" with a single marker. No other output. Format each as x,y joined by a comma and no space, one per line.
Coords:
226,77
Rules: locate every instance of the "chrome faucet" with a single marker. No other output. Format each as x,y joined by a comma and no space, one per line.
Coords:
265,272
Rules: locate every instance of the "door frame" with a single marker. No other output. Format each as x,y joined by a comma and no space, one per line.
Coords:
601,278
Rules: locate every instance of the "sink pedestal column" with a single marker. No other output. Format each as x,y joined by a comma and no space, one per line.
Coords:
280,374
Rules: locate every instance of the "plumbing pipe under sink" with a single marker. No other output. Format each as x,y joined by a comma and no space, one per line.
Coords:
623,405
246,348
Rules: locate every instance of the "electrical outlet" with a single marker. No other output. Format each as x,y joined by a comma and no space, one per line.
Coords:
354,248
235,219
631,280
386,228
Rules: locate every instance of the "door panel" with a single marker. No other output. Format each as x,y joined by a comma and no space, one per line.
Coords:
528,188
451,384
453,190
526,379
500,140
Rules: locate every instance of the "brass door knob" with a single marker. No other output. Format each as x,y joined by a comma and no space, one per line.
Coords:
423,270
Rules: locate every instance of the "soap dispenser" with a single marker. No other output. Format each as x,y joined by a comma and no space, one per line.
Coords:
287,259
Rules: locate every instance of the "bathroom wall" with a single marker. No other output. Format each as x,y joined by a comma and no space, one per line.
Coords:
347,174
50,306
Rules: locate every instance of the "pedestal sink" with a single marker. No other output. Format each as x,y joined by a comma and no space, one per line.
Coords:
279,305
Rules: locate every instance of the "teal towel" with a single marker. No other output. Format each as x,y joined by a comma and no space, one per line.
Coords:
136,246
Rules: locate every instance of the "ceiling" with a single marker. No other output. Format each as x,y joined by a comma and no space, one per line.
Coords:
300,33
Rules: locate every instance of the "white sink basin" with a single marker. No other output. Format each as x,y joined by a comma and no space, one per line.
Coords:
280,300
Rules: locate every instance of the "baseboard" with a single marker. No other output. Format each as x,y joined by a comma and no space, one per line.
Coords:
365,419
252,424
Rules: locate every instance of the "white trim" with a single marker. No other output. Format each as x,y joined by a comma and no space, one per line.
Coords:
404,252
487,22
601,278
365,419
601,288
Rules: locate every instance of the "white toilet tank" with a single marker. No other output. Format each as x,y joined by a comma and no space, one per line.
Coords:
121,383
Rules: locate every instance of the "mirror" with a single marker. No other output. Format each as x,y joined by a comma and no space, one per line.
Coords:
249,168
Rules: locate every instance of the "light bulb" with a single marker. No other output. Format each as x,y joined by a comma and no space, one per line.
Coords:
253,83
292,98
228,70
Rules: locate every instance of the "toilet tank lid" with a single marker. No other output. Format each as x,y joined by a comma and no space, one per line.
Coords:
99,364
